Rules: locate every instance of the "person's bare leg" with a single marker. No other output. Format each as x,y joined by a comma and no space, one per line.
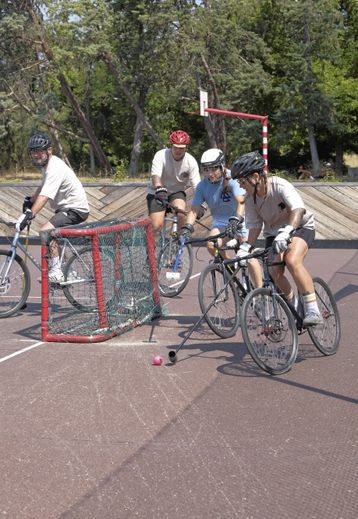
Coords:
181,204
255,272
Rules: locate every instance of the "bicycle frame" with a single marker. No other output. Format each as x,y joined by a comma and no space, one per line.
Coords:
16,244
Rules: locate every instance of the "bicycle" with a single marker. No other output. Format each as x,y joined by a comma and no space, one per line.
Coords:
175,259
15,279
227,285
270,325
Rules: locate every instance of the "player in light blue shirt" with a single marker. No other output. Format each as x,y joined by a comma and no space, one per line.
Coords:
223,196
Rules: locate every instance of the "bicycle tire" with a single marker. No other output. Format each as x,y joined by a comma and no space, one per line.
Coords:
270,334
81,294
15,289
223,317
326,337
168,286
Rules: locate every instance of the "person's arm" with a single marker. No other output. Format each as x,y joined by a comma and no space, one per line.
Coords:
253,236
295,218
157,181
38,204
36,194
240,207
193,213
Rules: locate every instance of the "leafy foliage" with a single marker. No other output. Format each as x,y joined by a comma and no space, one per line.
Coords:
294,61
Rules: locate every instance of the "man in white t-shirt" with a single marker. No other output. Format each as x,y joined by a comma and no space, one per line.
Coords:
173,171
272,204
62,189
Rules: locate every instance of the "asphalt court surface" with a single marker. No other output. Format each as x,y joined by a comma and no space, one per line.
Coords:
96,431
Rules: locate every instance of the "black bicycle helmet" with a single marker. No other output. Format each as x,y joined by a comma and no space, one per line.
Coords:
39,141
247,164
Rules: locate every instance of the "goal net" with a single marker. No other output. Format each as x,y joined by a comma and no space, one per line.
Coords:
110,281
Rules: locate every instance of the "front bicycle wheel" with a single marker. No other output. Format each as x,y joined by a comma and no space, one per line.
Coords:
269,331
326,336
175,265
15,283
223,315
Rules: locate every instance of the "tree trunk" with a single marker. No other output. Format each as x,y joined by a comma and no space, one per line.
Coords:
101,157
314,152
218,122
135,153
137,140
110,60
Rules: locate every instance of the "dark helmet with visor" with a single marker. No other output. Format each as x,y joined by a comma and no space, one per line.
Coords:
39,141
247,164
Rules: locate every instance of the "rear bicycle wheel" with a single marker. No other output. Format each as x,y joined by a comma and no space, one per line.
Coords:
171,280
15,285
223,316
79,273
326,337
269,331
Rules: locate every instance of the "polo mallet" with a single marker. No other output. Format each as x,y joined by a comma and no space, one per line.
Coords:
24,306
172,355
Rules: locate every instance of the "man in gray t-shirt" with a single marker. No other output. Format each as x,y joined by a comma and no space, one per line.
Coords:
173,171
62,189
274,206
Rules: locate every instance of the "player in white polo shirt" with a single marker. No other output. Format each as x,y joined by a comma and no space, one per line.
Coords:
62,189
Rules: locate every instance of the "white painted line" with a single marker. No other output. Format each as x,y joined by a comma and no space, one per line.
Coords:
21,351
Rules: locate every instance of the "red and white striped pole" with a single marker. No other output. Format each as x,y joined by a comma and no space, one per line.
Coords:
265,142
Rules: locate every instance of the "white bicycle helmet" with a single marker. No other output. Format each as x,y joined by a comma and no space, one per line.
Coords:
212,157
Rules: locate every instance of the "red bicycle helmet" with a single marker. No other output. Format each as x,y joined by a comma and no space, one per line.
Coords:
179,138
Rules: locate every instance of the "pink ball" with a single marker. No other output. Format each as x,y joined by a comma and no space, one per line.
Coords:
157,360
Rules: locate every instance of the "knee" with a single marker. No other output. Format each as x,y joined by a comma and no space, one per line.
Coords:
292,263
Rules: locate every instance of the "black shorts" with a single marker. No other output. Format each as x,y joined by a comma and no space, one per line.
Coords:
156,207
65,217
307,235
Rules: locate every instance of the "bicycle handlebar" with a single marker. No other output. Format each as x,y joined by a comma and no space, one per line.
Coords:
207,238
259,253
169,207
8,224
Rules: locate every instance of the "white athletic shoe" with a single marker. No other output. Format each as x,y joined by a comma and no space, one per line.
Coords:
312,319
55,275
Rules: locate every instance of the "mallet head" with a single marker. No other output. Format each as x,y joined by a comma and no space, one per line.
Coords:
172,356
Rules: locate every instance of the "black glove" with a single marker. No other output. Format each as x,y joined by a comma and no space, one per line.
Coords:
185,232
201,211
161,195
23,220
234,225
27,204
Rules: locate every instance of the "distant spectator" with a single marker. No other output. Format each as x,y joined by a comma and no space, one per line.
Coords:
326,170
304,174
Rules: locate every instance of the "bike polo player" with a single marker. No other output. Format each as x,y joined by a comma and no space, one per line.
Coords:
61,187
273,204
225,199
173,171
